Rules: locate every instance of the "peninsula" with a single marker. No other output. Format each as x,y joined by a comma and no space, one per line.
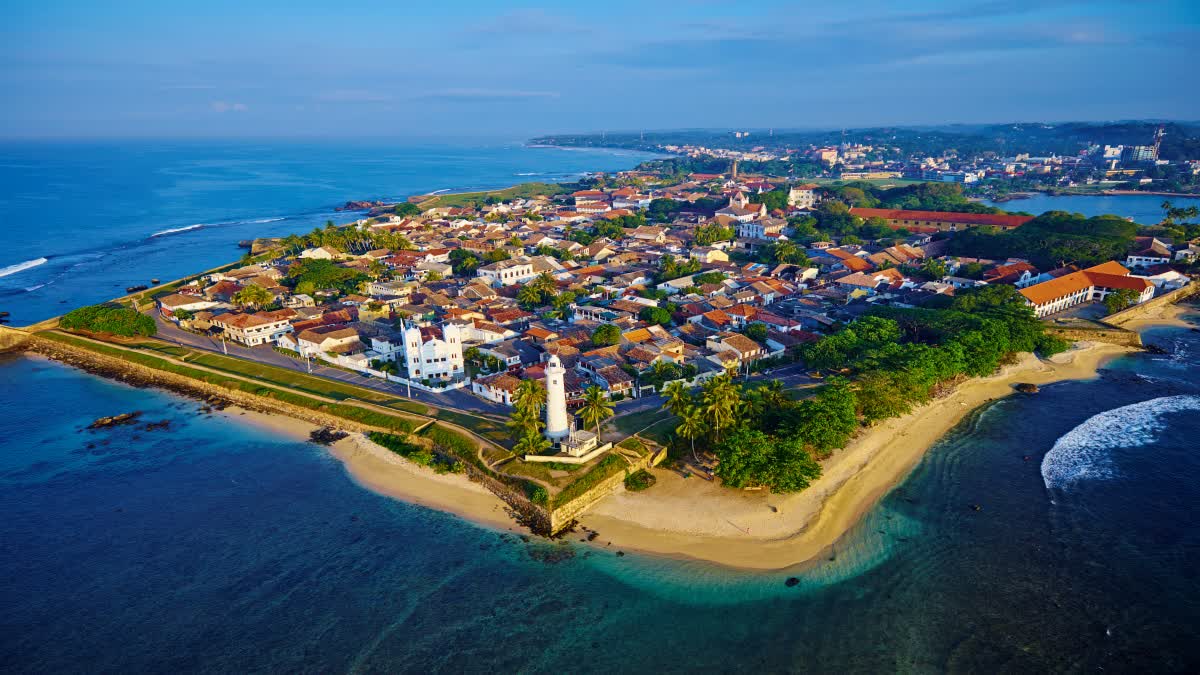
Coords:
703,357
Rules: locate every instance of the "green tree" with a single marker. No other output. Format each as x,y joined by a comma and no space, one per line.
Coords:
407,210
756,331
596,408
606,335
655,315
253,296
1119,300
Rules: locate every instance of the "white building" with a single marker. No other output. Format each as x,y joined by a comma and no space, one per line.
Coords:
803,196
507,272
1093,283
556,400
560,425
440,358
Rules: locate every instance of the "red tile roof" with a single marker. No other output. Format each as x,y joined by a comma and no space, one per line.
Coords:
996,220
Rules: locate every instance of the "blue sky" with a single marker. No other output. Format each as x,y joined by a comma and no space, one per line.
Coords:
410,69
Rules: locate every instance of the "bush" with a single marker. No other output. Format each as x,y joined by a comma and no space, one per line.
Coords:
639,480
109,319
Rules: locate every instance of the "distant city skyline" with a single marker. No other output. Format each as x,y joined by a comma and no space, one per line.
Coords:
307,69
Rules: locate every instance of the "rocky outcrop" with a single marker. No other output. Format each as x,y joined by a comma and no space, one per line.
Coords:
359,205
1027,388
115,421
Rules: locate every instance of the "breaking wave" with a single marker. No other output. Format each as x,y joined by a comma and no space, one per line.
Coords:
1081,453
175,230
22,266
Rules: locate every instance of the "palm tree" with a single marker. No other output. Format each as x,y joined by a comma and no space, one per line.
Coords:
293,243
596,408
532,443
529,296
678,397
530,396
253,296
522,422
691,425
720,400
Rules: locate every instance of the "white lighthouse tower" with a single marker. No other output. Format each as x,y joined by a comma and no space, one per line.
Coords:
557,427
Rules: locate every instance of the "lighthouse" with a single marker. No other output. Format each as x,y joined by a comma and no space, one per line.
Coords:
557,427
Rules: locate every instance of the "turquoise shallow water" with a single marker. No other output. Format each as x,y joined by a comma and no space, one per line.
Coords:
213,547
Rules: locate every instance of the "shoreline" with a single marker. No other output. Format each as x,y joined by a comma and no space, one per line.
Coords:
695,520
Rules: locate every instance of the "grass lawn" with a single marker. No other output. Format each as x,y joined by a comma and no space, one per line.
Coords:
487,428
634,422
295,380
525,190
661,432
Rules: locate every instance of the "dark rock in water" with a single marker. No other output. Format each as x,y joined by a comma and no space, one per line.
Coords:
1155,349
791,581
151,426
358,205
135,289
551,554
1027,388
326,436
620,554
123,418
592,535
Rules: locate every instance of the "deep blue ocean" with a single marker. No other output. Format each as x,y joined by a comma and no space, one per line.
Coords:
80,222
213,546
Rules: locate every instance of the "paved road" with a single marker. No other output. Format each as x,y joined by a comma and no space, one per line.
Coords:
458,399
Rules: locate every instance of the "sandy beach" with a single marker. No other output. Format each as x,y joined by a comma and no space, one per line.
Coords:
692,518
380,470
1167,315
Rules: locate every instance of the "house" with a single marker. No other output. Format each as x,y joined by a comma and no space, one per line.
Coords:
1093,283
762,228
507,272
743,349
1149,252
802,196
255,329
327,339
499,388
320,253
167,306
708,254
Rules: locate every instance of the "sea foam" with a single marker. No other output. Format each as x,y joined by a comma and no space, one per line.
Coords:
175,230
22,266
1081,453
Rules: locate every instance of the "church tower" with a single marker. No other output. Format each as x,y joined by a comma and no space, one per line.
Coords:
557,427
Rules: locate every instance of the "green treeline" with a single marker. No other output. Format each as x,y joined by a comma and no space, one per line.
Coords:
887,363
1051,239
112,319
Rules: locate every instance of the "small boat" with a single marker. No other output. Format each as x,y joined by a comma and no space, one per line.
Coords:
154,281
2,314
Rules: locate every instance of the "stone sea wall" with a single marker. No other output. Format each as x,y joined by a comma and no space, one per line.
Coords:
12,339
565,514
1153,305
1115,336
